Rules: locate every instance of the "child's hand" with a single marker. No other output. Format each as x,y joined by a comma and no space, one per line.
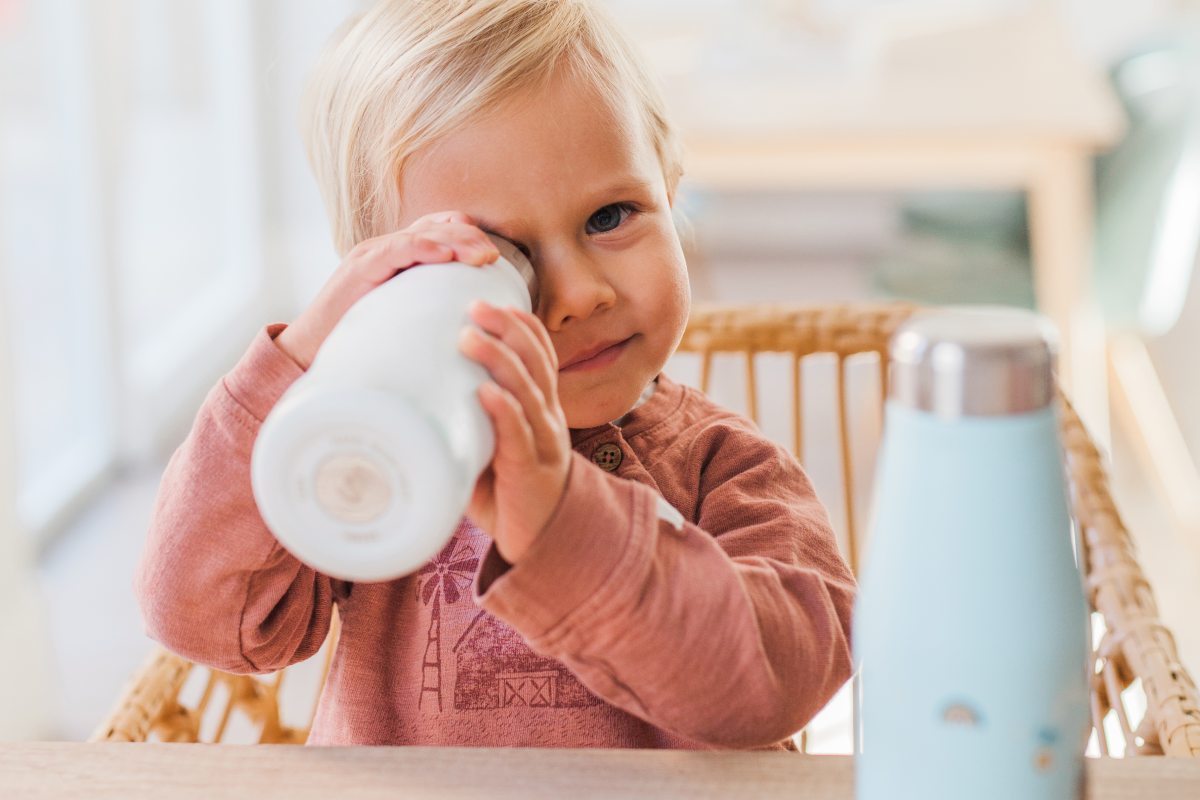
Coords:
516,496
433,239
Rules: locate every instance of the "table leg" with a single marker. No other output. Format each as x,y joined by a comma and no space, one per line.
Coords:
1061,218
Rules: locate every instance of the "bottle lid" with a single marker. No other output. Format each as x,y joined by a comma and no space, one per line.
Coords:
974,361
513,255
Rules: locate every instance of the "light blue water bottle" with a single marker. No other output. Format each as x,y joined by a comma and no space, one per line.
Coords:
970,630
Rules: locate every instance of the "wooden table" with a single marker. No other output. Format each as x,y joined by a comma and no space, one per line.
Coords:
65,771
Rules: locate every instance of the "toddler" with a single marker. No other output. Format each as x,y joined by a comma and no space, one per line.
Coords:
638,567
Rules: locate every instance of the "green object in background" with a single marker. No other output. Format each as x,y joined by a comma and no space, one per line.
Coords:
1148,192
960,247
973,247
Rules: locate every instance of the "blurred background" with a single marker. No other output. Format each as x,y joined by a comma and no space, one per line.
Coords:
156,209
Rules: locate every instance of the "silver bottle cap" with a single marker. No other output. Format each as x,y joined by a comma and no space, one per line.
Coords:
974,361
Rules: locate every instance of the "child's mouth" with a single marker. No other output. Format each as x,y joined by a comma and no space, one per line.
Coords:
597,358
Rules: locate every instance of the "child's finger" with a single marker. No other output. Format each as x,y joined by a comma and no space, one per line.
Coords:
536,327
506,325
514,436
376,260
444,216
467,231
509,372
469,244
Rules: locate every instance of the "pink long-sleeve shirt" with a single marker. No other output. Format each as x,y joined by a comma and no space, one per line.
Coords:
689,596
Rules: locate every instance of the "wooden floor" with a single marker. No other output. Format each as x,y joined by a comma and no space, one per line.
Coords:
62,771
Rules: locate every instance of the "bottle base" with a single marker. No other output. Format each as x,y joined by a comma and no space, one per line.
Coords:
356,483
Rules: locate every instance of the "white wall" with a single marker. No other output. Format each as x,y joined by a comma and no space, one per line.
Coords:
159,210
291,33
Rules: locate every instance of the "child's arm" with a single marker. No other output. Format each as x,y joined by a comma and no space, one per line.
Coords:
733,631
213,583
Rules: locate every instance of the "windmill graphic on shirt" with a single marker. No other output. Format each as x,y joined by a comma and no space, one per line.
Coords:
444,580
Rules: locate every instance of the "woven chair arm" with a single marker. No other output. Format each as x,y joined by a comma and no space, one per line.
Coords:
149,700
1137,643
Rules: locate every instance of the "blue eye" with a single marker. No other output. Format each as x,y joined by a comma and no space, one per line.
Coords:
608,218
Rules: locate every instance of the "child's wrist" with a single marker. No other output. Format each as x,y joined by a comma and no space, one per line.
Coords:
514,547
293,349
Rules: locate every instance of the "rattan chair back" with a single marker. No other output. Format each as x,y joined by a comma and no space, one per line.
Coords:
1136,646
150,707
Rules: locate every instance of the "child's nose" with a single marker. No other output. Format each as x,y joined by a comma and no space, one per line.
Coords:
572,287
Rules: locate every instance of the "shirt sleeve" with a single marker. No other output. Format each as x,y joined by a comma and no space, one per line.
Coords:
733,631
212,582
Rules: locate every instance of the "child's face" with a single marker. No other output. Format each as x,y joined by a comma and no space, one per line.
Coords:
578,186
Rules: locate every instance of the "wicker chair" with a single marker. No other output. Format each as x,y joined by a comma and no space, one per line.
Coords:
1135,644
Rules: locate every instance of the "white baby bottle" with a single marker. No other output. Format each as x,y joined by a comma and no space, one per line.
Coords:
366,464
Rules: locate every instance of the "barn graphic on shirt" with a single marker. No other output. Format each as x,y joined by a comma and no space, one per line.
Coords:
496,669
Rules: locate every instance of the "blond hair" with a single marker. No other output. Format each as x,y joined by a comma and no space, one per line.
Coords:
404,73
